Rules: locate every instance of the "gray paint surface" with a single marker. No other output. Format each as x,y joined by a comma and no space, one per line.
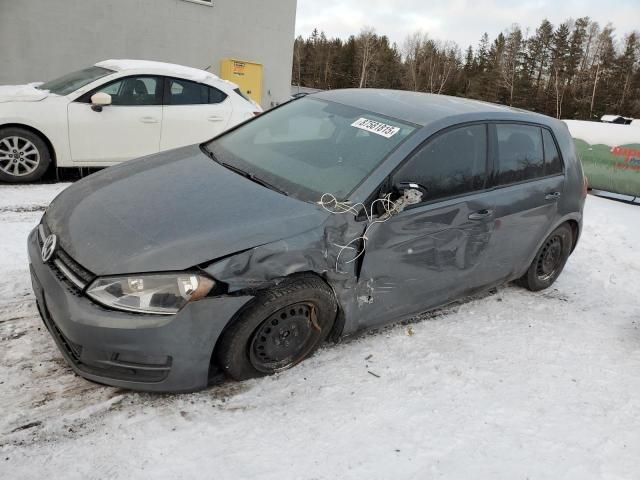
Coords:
425,256
43,39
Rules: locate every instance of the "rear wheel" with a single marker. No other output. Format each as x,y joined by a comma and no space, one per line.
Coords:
24,156
549,261
283,326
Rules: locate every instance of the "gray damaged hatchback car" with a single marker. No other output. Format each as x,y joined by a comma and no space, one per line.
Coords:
333,213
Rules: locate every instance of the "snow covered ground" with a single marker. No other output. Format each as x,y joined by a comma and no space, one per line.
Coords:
515,385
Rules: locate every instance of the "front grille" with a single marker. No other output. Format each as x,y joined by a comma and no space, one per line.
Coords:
65,267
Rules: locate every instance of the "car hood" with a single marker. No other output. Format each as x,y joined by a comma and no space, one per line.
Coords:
22,93
169,212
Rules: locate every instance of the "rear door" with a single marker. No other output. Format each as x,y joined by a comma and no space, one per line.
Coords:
192,113
527,183
435,251
128,128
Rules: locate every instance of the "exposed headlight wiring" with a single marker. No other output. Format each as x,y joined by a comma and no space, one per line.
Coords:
332,205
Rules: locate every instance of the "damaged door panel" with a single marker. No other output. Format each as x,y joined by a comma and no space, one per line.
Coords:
423,257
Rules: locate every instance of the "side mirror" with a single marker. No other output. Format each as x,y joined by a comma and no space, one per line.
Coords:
100,100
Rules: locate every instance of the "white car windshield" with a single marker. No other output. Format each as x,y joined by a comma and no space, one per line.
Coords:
73,81
309,147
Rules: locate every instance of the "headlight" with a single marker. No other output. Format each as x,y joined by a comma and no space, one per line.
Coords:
162,294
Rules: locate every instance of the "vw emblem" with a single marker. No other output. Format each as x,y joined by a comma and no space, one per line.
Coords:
48,248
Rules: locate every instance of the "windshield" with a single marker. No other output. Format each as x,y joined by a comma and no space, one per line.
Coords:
309,147
73,81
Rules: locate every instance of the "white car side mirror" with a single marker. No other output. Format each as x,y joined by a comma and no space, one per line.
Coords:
100,100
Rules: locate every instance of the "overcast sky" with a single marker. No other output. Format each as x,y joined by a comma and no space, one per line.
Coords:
463,21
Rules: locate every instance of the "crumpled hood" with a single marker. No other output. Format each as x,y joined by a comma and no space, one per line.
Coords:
22,93
169,212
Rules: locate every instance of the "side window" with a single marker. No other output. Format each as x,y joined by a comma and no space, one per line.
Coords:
130,91
552,160
216,96
185,92
453,163
520,153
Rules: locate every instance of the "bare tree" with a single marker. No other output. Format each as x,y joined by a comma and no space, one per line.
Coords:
367,50
411,53
511,59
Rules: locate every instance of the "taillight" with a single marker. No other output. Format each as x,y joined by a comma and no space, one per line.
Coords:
585,186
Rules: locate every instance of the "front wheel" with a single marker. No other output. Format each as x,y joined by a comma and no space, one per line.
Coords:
24,156
549,260
283,326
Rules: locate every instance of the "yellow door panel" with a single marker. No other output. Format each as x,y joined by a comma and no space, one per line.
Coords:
247,75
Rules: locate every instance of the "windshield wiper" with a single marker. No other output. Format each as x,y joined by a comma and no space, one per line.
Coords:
246,174
253,178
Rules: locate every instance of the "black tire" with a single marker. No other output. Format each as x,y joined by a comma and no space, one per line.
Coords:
24,156
280,328
549,260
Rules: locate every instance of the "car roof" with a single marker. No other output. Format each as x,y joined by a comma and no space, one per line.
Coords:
421,108
159,68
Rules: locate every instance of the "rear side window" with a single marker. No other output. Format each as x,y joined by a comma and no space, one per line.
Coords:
453,163
552,160
520,153
185,92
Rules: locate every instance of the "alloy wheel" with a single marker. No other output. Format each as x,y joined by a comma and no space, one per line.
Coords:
18,156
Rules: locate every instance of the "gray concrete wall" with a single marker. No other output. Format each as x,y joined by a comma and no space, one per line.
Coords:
43,39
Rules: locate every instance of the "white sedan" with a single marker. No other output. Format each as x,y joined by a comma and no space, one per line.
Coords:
113,111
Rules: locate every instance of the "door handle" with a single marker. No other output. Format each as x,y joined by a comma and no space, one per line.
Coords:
149,120
214,118
481,214
552,196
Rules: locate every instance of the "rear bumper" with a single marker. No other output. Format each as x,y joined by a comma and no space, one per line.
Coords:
129,350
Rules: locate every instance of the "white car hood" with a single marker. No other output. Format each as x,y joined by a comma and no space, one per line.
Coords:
22,93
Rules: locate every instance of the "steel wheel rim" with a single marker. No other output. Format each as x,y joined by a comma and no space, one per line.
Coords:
18,156
549,258
285,338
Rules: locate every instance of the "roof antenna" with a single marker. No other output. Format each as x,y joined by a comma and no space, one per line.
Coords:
207,68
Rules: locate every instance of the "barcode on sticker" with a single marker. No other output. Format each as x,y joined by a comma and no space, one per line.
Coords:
378,128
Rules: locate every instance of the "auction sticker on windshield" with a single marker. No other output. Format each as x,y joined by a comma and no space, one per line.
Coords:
378,128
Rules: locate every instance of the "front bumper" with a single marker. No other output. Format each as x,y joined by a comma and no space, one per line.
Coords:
130,350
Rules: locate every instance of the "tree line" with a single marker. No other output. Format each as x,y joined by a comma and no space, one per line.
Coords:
577,69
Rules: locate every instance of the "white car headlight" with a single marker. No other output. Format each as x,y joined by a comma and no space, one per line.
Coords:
163,294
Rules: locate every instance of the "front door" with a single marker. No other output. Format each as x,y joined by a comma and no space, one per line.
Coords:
128,128
435,251
193,112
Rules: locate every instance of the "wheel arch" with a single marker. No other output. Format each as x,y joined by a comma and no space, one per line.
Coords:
575,230
39,133
574,222
334,334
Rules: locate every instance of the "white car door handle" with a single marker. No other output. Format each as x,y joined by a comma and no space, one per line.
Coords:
214,118
149,120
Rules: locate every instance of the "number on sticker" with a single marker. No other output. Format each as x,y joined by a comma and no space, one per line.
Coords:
378,128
